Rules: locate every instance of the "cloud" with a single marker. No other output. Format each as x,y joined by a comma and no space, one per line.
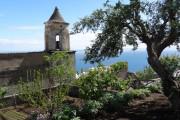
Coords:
28,27
21,45
81,40
19,42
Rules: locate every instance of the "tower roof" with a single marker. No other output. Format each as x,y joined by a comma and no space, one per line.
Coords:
56,16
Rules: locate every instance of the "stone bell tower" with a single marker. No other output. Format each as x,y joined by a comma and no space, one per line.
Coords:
56,33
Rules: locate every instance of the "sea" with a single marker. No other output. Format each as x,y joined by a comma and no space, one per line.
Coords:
137,60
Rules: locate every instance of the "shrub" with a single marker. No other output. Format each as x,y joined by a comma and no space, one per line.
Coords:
91,107
32,92
66,113
171,63
147,74
117,101
106,98
121,85
59,71
2,94
119,66
122,98
139,93
154,88
60,68
95,82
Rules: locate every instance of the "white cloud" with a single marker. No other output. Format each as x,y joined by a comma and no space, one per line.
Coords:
19,41
28,27
21,45
81,41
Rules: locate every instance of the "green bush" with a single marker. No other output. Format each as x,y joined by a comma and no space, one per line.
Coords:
119,66
93,83
2,94
117,101
32,92
171,63
122,98
59,75
106,98
92,107
139,93
66,113
121,85
154,88
147,74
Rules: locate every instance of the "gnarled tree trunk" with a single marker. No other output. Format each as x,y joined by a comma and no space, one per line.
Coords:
170,86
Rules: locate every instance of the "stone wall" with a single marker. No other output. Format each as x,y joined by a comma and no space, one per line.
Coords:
14,66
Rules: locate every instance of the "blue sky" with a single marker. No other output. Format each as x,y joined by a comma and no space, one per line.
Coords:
21,21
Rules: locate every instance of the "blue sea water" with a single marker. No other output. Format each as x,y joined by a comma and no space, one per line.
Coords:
137,60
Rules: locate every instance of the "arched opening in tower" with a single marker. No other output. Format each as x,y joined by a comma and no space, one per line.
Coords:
57,42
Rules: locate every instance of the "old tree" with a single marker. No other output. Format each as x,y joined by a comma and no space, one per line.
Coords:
157,24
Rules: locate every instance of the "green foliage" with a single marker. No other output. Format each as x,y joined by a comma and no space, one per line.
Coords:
147,74
171,63
138,93
154,88
121,85
119,66
107,97
92,107
60,68
154,23
59,75
118,21
32,92
121,99
2,94
93,83
66,113
117,101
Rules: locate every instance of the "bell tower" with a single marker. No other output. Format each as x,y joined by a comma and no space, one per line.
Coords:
56,33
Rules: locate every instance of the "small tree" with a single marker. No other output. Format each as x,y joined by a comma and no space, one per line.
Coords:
156,24
59,74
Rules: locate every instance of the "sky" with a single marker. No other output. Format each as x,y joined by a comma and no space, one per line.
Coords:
22,22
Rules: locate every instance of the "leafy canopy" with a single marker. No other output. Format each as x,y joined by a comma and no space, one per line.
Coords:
154,23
